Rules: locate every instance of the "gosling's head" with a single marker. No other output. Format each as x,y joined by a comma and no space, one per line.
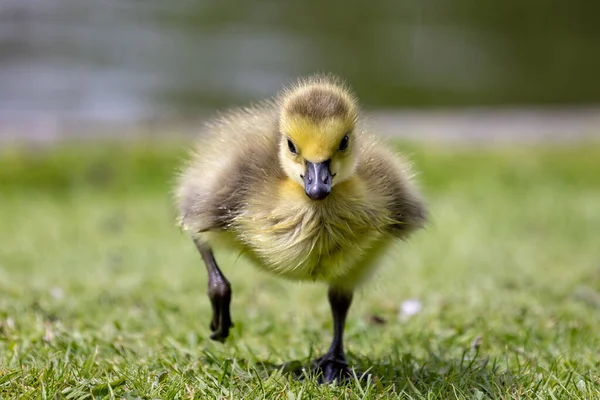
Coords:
318,139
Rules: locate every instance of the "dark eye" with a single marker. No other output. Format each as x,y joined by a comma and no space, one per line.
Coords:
344,143
292,147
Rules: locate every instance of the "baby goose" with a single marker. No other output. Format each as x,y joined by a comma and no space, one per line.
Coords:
295,185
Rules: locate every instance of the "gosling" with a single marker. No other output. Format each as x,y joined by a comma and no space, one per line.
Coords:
299,188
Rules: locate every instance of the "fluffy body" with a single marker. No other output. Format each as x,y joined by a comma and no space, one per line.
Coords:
239,192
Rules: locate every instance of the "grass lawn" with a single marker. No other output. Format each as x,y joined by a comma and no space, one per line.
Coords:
101,295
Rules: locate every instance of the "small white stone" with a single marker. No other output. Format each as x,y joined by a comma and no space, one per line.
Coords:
409,307
57,293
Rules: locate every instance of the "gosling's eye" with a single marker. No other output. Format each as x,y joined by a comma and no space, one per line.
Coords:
292,148
344,143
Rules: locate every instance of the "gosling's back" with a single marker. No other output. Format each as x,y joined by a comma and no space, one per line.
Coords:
234,152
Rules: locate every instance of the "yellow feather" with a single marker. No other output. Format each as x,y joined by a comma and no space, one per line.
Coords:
317,141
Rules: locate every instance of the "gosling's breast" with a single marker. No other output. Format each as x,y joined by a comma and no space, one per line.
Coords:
292,236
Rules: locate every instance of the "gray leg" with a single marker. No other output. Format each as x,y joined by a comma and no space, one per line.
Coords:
219,293
333,364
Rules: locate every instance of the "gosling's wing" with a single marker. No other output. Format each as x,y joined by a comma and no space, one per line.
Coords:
389,175
230,156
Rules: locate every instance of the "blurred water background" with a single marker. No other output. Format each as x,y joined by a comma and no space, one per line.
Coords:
87,67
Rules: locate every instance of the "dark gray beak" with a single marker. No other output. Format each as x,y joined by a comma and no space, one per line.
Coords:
317,180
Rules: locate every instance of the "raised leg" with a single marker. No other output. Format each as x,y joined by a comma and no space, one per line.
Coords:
333,366
219,293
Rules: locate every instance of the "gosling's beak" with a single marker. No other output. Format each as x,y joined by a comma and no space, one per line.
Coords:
317,180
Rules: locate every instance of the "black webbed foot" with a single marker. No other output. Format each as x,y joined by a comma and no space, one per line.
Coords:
219,293
220,299
329,369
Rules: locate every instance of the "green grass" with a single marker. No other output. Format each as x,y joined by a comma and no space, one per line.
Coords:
101,296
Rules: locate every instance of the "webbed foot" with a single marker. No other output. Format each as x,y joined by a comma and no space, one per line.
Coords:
330,368
220,299
219,293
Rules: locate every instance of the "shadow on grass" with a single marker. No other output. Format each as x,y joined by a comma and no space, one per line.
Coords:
471,374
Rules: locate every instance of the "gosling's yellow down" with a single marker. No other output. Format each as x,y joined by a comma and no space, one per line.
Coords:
297,186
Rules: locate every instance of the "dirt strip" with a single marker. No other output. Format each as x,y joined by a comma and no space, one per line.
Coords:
453,126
